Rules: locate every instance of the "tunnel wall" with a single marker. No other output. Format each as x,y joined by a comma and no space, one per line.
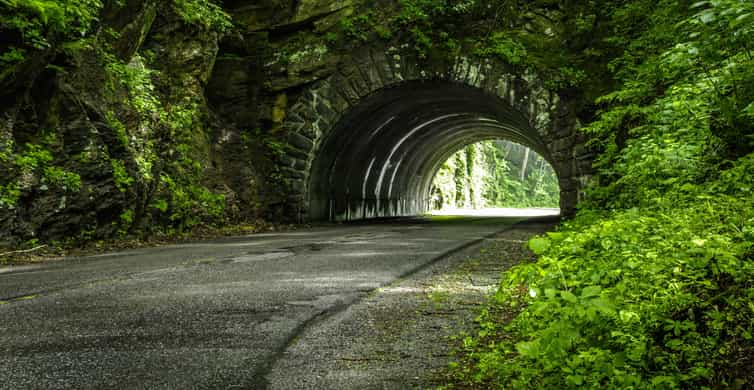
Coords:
326,106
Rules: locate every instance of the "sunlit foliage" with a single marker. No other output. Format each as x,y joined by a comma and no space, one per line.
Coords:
651,286
495,174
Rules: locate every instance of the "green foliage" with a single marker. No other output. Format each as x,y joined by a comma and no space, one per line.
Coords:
418,24
126,222
331,37
9,195
12,56
118,127
275,146
41,24
651,285
179,200
127,217
428,26
539,245
161,205
136,77
504,47
158,132
631,299
684,108
189,205
357,28
68,181
204,13
519,179
493,174
122,179
553,40
272,144
33,161
72,17
182,198
460,181
34,157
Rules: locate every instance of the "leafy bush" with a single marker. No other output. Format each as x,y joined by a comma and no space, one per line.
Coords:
204,13
122,179
42,24
651,285
633,298
33,161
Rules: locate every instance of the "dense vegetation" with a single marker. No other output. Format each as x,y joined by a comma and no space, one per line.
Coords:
651,285
495,174
154,157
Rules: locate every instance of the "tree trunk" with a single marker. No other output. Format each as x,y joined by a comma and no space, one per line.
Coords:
524,164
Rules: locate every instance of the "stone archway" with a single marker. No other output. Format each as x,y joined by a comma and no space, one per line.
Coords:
366,141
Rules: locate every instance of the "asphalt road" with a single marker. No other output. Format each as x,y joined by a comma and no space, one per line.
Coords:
214,314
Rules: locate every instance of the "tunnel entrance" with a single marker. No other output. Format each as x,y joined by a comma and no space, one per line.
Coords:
381,157
495,177
365,141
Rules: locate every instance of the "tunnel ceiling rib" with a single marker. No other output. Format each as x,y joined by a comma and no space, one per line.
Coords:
378,159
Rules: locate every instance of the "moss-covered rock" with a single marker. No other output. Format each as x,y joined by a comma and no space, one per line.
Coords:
109,133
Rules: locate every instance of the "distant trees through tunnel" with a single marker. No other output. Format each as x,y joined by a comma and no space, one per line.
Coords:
492,174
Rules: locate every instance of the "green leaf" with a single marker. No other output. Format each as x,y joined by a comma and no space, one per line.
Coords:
528,349
628,316
603,306
591,291
577,380
568,296
539,245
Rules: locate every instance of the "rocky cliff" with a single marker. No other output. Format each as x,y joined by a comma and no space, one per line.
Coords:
149,116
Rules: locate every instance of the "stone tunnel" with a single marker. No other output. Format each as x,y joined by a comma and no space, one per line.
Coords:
367,141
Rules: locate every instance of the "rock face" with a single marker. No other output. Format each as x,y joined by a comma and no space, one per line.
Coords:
110,134
161,123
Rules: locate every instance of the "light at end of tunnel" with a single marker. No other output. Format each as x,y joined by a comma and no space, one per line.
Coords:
498,212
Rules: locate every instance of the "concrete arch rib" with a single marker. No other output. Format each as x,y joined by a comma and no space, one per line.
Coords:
379,159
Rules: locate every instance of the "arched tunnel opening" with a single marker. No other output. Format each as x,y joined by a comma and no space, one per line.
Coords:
381,158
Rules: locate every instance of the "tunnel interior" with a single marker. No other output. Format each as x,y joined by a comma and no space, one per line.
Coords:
382,156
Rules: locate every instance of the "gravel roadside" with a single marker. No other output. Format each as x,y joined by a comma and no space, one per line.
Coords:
402,335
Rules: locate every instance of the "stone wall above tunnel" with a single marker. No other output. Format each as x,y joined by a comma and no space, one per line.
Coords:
516,106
